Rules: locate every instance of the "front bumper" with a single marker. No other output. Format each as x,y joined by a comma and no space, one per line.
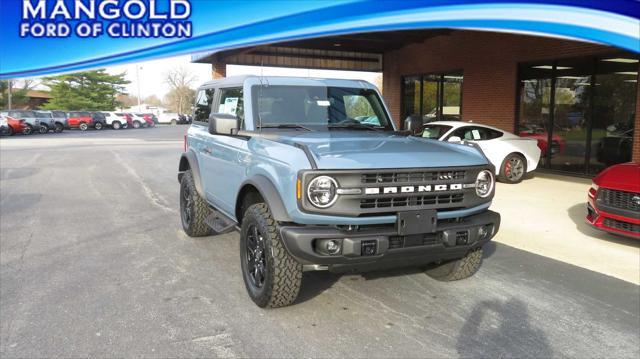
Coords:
376,247
612,223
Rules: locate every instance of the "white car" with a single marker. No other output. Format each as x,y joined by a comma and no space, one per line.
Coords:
115,120
513,156
169,118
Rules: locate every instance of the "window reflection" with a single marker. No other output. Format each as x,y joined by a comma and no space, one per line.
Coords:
585,109
433,97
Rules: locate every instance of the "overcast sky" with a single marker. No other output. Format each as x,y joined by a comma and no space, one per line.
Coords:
152,74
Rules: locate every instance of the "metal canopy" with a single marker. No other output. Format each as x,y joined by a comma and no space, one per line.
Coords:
354,52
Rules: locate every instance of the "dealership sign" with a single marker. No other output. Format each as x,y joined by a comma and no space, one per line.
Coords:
113,18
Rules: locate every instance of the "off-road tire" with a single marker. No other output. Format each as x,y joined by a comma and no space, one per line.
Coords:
458,269
283,273
136,124
195,226
116,125
27,130
502,175
83,126
98,126
43,129
58,127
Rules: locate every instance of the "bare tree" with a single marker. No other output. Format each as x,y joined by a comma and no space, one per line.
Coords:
181,94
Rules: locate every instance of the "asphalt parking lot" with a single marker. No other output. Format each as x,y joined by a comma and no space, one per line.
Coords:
93,262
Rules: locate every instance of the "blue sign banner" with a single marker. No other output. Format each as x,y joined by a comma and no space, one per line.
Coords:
39,37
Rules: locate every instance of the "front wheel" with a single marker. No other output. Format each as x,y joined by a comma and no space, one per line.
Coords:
43,129
458,269
136,124
98,126
83,126
28,130
271,275
58,128
193,209
513,169
116,125
174,122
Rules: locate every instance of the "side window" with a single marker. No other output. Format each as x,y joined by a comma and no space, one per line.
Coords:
471,133
358,108
203,105
232,103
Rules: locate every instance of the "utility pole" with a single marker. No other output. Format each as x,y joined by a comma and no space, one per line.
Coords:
9,96
138,83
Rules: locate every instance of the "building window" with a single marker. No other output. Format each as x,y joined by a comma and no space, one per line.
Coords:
581,111
433,97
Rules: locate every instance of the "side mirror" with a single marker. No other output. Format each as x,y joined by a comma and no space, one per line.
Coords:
413,124
223,124
455,139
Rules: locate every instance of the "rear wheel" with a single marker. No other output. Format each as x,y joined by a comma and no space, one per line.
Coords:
136,124
43,129
58,127
513,169
83,126
28,130
193,209
458,269
174,122
116,125
98,126
271,275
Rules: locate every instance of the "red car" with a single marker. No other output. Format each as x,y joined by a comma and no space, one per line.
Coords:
614,200
148,118
78,119
14,126
557,143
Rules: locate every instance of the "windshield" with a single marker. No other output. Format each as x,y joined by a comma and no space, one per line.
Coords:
435,131
318,108
44,114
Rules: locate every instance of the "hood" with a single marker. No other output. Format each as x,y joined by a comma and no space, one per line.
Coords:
369,150
624,177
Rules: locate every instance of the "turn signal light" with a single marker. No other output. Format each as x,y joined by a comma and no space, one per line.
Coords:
299,190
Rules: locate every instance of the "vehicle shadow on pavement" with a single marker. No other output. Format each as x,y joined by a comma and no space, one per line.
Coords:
578,213
501,329
314,283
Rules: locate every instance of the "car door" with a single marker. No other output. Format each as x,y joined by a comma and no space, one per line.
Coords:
200,140
230,153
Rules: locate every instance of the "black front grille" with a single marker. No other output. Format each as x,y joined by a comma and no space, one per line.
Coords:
619,199
406,177
427,200
621,225
426,239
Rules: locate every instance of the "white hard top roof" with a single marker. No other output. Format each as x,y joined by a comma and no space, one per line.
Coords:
285,80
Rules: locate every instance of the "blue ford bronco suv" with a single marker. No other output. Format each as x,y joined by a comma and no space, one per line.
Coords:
315,176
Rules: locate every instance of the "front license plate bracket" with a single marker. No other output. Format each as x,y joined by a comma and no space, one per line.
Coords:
417,222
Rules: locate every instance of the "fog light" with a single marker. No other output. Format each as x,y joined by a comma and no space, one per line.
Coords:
485,231
332,246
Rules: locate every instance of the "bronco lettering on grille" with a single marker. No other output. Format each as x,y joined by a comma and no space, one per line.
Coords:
413,189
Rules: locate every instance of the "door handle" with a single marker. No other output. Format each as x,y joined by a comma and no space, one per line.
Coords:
206,150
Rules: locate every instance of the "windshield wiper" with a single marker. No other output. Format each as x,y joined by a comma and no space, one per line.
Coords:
286,125
359,126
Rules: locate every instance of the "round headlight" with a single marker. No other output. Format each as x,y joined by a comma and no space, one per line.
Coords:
484,183
322,191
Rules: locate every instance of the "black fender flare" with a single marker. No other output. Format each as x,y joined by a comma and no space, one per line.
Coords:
189,161
270,194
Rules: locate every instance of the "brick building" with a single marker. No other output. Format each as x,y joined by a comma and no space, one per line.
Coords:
581,98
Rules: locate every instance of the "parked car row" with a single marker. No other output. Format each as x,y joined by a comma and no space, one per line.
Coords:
28,122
